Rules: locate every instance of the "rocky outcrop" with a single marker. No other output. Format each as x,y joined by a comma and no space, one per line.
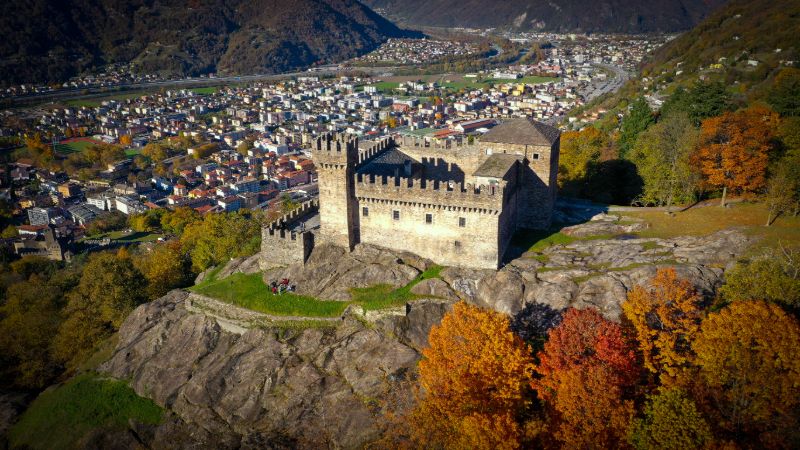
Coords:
233,378
600,272
605,224
246,264
331,272
591,271
269,387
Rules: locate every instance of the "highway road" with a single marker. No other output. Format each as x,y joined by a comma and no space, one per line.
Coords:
609,85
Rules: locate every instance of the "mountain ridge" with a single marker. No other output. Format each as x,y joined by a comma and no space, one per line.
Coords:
51,40
618,16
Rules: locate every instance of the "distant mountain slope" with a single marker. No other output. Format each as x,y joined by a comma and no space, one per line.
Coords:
630,16
743,45
743,41
49,40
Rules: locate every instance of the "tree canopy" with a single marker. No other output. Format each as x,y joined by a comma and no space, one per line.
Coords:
476,376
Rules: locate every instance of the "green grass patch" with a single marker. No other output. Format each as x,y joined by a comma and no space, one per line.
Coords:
385,86
249,291
542,258
60,417
650,245
131,152
539,240
205,90
75,146
386,296
97,101
579,280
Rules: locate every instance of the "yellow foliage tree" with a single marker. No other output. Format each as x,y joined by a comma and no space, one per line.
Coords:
748,368
476,376
579,150
666,317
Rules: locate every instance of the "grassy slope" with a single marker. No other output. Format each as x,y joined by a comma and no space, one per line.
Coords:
703,221
699,221
58,418
249,291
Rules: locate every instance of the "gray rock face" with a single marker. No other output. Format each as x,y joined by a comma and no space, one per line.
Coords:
413,328
331,272
599,273
247,264
315,387
603,224
434,287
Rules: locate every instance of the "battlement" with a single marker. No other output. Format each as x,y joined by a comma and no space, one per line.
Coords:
304,209
288,235
431,192
335,149
412,141
376,147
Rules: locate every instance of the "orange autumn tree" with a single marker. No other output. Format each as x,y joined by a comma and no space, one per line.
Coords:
734,149
587,367
476,377
666,316
748,370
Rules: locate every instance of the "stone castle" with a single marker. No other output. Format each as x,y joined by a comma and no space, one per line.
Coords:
456,203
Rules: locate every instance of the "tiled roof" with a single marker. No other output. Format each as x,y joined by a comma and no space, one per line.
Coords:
522,132
497,165
388,163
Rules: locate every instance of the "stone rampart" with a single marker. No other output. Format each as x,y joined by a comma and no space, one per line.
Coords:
305,209
284,247
431,192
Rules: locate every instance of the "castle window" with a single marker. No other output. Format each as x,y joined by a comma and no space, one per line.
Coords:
462,222
457,244
535,156
428,218
396,215
365,211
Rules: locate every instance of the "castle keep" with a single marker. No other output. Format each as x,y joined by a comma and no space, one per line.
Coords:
456,203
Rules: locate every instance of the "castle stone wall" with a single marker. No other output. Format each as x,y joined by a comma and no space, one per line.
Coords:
443,241
283,247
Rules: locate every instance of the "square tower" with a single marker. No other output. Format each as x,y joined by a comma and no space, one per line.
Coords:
336,158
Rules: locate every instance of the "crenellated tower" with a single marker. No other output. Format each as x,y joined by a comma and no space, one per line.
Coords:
336,157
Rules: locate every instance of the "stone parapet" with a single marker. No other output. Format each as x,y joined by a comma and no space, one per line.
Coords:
305,208
336,150
431,192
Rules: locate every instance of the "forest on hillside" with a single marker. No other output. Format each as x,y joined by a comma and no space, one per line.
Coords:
703,142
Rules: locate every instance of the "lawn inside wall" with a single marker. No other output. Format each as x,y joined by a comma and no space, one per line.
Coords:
249,291
61,416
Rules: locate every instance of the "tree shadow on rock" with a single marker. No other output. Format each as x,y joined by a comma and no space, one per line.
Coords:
615,182
534,322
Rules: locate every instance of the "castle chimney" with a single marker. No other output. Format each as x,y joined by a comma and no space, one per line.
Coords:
407,167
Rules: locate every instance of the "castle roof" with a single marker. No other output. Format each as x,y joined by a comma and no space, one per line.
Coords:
497,165
522,132
389,163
